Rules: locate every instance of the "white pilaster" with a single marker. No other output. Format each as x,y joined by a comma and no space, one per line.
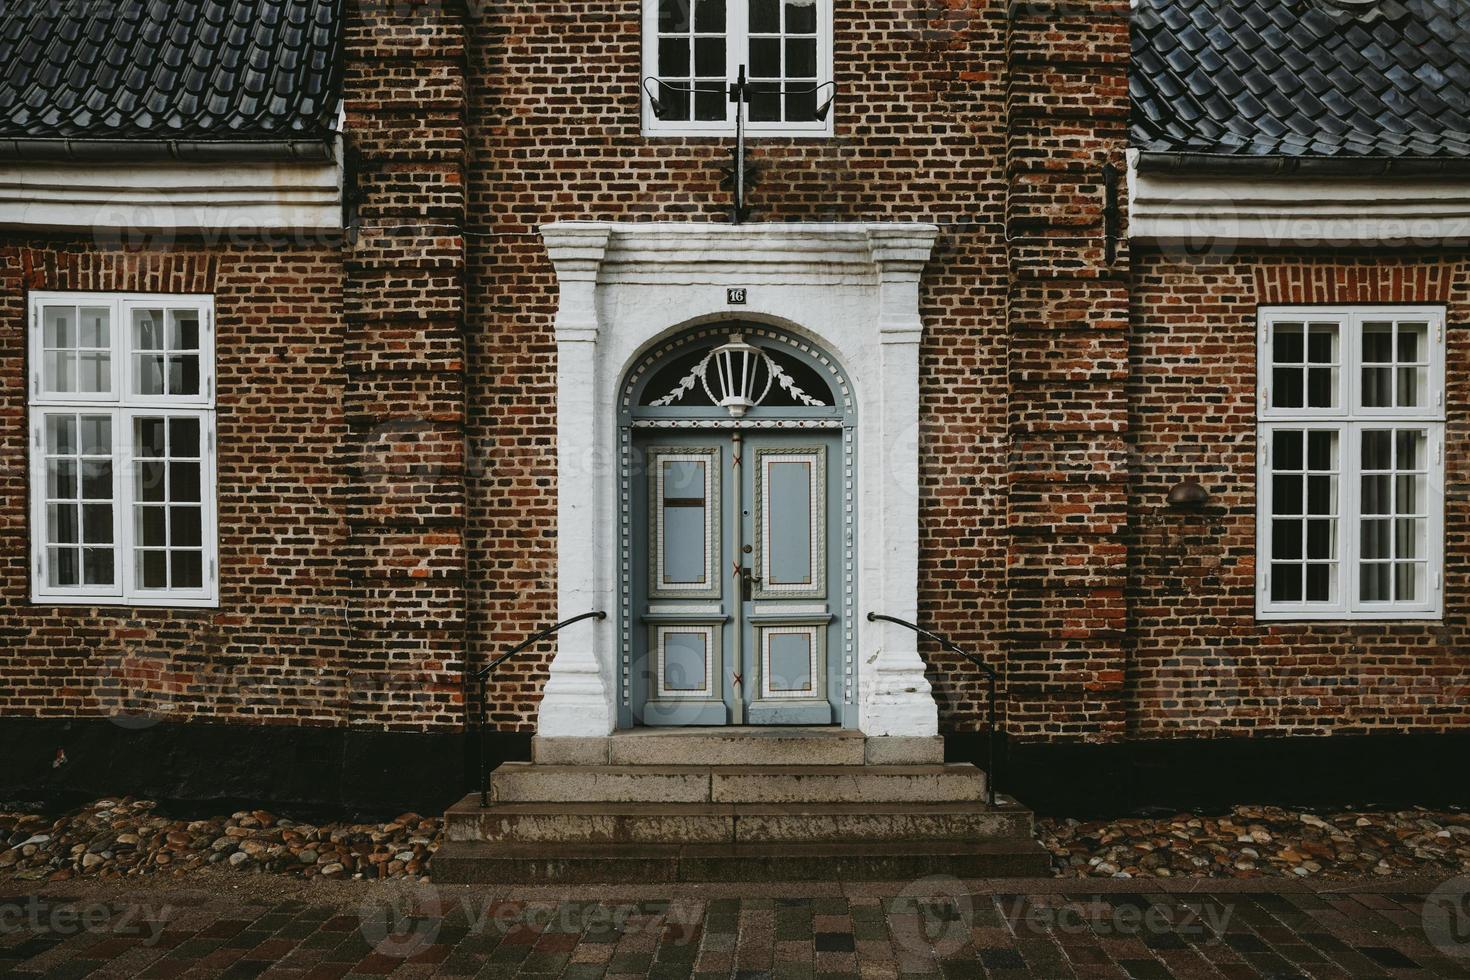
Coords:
897,698
578,698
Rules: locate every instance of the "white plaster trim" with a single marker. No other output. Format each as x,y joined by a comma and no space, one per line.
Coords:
854,289
1217,211
203,197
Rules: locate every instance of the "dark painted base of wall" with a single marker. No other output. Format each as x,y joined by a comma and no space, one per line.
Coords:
320,773
1345,771
314,773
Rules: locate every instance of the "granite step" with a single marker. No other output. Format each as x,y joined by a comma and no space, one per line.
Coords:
473,862
737,746
727,823
525,782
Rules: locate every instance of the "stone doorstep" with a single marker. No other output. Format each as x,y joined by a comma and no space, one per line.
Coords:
466,862
726,823
747,746
524,782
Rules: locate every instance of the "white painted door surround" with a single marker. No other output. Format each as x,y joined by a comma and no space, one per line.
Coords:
853,288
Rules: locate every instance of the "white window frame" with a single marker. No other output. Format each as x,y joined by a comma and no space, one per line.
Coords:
1350,420
737,53
123,407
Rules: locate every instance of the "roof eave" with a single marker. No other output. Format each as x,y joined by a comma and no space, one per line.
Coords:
321,149
1241,165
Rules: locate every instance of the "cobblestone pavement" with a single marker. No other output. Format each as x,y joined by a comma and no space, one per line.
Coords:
231,926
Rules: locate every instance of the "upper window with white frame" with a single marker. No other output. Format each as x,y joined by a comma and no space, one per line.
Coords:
122,449
1350,521
693,50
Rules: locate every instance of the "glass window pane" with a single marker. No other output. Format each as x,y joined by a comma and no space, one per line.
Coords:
1413,387
183,484
1409,495
1322,495
1286,540
765,17
710,101
1322,341
801,57
801,16
1409,447
801,106
765,101
183,436
1286,495
153,569
61,478
97,523
95,327
184,527
183,374
97,479
183,330
1375,585
1322,450
1377,343
59,327
149,438
673,16
148,330
1377,449
1408,538
1288,388
94,372
765,58
1321,387
61,370
1286,583
1413,343
150,529
709,16
1321,582
61,524
1377,387
149,374
1376,540
709,57
1287,345
1286,449
1322,540
673,57
675,103
61,434
97,566
1409,581
150,480
188,569
1377,495
96,435
63,566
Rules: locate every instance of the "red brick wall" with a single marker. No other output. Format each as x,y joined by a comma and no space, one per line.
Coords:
1198,663
274,650
554,134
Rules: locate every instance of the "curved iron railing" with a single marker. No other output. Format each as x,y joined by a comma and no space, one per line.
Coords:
992,758
483,673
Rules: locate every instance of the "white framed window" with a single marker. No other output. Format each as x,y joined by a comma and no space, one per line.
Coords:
122,429
1350,456
700,45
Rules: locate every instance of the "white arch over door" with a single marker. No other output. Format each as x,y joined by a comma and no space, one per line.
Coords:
854,289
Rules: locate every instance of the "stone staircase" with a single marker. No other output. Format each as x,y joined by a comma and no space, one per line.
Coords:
736,804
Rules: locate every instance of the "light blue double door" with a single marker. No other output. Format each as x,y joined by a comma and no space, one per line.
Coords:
736,539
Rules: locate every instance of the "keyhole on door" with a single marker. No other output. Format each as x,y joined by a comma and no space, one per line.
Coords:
746,549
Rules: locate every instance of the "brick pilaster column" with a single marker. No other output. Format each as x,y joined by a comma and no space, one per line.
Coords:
1067,115
405,399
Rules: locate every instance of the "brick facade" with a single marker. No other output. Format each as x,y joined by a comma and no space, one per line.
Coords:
387,406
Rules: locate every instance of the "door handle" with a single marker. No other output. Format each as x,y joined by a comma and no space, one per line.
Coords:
747,583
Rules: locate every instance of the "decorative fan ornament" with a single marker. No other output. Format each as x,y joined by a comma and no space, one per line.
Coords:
737,377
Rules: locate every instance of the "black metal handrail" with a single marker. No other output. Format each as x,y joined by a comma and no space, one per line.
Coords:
483,673
991,757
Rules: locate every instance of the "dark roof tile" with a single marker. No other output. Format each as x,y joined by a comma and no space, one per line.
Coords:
169,69
1302,77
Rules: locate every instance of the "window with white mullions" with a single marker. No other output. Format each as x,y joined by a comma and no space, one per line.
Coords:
693,52
122,421
1351,444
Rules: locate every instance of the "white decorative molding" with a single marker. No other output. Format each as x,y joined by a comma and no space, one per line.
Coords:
853,288
209,198
1215,211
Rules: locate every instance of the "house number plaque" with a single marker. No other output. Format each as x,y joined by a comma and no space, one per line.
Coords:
735,297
